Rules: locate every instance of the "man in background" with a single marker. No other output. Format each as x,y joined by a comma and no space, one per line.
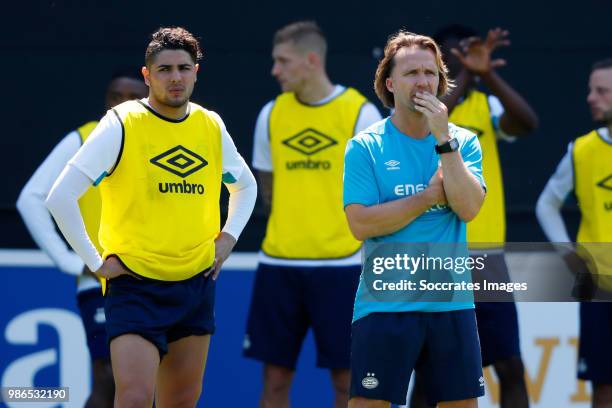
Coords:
486,104
586,169
125,84
309,264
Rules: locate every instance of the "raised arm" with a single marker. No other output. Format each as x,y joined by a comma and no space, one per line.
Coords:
464,191
475,56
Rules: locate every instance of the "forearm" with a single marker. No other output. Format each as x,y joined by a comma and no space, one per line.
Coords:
461,84
463,191
384,219
548,212
265,189
36,217
519,118
243,195
62,203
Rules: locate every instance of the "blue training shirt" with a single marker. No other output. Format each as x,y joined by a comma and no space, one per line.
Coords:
381,165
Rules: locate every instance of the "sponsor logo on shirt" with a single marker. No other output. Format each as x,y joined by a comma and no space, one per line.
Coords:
404,190
392,165
606,184
181,188
309,142
408,189
181,162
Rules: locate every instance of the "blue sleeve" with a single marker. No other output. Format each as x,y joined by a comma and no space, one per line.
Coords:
359,180
472,157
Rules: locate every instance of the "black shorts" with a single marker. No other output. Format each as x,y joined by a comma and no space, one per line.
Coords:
287,301
91,309
595,350
442,346
497,321
159,311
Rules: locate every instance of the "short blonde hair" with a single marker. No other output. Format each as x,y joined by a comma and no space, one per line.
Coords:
396,42
304,34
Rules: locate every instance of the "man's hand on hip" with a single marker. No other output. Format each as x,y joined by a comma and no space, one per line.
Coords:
111,268
224,243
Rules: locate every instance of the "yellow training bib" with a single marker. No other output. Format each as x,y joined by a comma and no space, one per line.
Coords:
307,144
160,203
592,157
489,226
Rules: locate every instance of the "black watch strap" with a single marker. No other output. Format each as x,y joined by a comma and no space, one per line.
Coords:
450,145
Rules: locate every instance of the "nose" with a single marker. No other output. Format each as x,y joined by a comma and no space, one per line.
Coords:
421,82
591,97
275,70
175,75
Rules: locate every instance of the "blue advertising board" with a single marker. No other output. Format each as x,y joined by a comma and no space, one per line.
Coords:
42,340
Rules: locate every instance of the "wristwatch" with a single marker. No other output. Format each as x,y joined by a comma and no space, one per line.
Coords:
452,145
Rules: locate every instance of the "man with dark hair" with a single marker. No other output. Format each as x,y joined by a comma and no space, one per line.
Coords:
586,169
416,147
159,163
499,113
309,263
173,38
126,84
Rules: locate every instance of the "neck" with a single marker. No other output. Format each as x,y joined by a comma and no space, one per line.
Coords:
315,89
168,111
413,124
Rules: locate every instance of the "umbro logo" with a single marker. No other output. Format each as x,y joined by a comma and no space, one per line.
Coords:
309,142
392,165
481,381
606,183
179,161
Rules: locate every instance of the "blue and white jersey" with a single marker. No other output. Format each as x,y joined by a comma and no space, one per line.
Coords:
381,165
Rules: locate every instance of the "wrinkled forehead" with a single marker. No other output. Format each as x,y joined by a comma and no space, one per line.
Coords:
415,58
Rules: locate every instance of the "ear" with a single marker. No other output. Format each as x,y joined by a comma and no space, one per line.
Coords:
313,59
145,75
196,67
389,84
